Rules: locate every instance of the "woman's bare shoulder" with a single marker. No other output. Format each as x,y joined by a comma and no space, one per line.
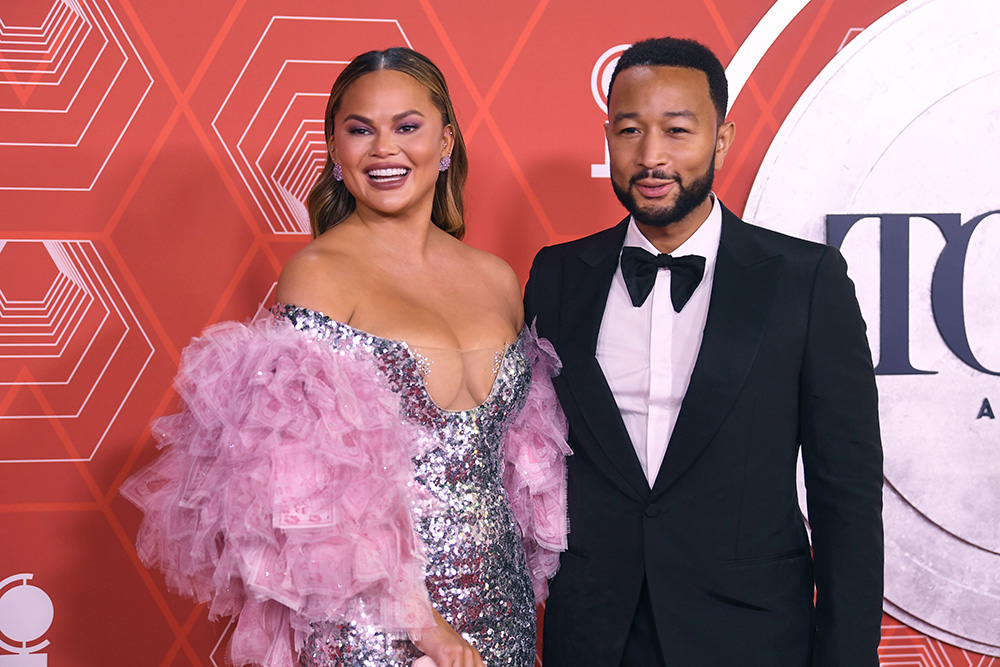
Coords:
498,280
319,277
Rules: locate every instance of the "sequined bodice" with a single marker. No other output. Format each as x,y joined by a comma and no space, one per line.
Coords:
476,575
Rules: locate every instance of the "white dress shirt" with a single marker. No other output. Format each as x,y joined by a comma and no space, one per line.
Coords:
649,380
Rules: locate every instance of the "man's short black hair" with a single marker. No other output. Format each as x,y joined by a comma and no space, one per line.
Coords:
673,52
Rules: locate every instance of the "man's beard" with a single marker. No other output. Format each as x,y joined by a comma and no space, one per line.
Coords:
689,197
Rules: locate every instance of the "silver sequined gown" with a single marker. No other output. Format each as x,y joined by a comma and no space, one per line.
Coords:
477,574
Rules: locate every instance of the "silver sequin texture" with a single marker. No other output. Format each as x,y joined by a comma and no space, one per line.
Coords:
477,574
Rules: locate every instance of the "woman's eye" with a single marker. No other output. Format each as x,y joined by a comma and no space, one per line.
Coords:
358,130
409,127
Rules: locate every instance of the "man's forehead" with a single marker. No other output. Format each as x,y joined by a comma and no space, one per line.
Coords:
665,74
656,81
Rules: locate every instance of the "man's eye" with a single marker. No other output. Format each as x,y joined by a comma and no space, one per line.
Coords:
630,130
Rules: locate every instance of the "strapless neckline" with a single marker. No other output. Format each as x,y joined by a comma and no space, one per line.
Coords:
413,353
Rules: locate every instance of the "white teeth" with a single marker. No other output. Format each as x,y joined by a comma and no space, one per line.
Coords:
387,173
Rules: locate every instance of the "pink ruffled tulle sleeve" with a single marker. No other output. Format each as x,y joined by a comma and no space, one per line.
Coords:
535,467
283,492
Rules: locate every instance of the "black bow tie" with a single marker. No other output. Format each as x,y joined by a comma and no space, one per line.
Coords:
639,271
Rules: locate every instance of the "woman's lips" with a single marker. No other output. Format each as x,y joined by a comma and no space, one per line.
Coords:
387,177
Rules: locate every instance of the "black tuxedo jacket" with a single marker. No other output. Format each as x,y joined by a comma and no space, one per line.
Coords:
720,540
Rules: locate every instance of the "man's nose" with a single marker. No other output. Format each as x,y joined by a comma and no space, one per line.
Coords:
653,152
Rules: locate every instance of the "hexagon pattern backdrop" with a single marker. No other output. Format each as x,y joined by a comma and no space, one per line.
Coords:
154,160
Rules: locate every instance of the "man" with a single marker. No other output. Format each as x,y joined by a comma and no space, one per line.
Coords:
690,384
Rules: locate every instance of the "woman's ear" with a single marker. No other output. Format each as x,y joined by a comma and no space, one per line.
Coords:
449,141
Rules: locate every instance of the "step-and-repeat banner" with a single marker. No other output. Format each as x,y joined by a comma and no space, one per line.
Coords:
154,157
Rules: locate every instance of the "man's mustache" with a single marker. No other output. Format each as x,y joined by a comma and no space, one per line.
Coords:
658,174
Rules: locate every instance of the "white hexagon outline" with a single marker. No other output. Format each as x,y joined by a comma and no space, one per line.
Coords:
78,7
53,301
300,159
79,87
45,41
296,214
110,293
24,310
64,266
66,275
256,173
296,204
925,649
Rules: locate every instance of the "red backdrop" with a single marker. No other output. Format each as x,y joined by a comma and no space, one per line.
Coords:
153,157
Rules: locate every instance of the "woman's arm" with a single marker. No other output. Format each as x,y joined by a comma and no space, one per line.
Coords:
446,647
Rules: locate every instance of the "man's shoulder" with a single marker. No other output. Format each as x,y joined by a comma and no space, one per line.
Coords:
782,241
773,243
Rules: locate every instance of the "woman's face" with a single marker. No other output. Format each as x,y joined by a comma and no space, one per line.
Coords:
389,140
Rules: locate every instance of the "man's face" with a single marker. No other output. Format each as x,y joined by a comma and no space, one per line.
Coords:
664,142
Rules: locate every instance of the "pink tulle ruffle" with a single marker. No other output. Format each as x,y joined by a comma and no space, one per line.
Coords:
535,467
283,491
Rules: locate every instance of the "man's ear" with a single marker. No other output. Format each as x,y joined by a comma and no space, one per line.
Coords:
723,140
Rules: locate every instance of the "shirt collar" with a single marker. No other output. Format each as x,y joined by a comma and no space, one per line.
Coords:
704,241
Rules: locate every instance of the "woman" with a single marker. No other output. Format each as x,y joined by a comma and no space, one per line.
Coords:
379,466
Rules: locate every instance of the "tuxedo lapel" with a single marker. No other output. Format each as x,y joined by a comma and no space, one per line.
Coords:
742,296
587,279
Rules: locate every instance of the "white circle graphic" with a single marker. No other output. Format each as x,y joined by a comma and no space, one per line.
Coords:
906,121
600,77
26,611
